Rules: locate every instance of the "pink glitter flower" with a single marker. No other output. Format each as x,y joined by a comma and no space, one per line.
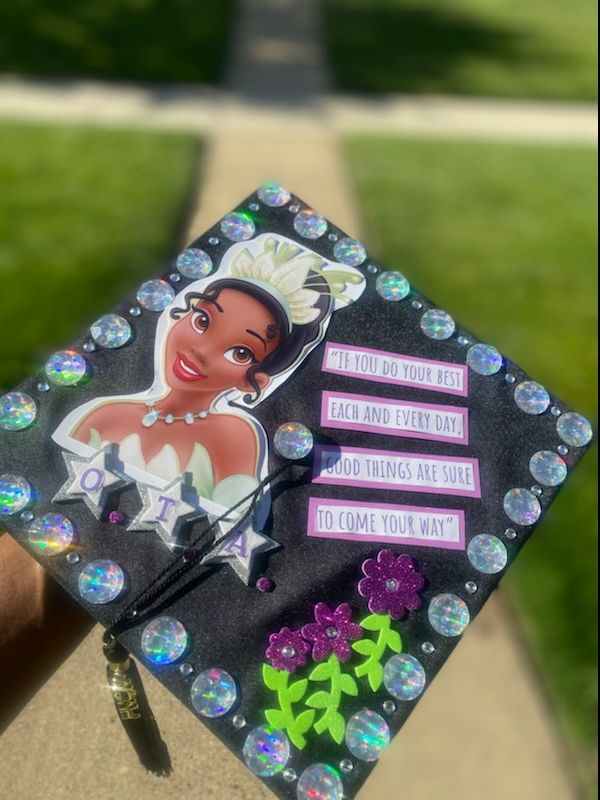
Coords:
391,585
332,632
287,650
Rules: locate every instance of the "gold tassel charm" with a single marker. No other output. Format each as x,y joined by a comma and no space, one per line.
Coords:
133,708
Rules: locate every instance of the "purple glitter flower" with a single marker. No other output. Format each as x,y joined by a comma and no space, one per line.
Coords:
287,650
332,632
392,584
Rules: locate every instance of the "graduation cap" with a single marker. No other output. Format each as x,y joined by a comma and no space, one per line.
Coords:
285,482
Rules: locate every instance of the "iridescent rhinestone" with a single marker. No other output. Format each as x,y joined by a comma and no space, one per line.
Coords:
463,341
15,494
404,677
135,311
346,766
194,263
238,721
484,359
294,209
509,378
266,751
186,669
574,429
213,693
214,241
437,324
531,397
26,516
116,517
510,533
289,775
537,491
522,507
293,440
471,587
417,305
89,347
555,411
155,295
350,252
310,224
73,558
392,286
428,648
448,615
66,368
372,269
367,735
43,387
273,194
333,237
17,411
254,207
389,707
164,640
237,226
174,277
101,581
548,468
111,331
50,534
487,553
320,782
562,449
265,585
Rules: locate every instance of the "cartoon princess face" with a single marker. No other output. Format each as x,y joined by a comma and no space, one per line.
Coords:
225,343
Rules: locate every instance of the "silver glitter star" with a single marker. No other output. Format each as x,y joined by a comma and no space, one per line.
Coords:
238,546
92,479
167,510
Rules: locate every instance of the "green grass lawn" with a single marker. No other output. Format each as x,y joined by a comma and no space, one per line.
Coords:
503,236
85,216
537,48
127,40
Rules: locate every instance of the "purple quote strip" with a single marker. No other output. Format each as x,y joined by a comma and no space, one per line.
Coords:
396,369
387,469
360,412
386,523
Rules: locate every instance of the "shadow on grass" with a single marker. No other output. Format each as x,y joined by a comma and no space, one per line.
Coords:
141,40
379,46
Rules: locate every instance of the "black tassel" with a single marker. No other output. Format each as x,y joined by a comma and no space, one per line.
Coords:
133,708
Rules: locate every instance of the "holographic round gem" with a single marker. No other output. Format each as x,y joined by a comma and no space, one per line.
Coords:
574,429
320,782
484,359
266,751
273,194
213,693
310,224
437,324
548,468
51,534
15,494
448,615
66,368
404,677
155,295
194,263
17,411
164,640
531,397
111,331
522,506
293,440
101,581
349,251
392,286
487,553
367,735
237,226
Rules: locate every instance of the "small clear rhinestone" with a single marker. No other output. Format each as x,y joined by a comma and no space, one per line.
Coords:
174,277
89,347
562,449
372,269
288,651
169,419
73,558
428,648
214,240
43,387
254,207
510,533
332,632
346,766
186,669
555,411
238,721
289,775
294,209
509,378
471,587
463,341
135,311
389,706
537,491
417,305
26,516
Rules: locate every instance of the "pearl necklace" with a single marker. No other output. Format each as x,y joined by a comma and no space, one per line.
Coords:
152,416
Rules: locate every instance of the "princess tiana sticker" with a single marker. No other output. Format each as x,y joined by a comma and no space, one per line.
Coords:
225,343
